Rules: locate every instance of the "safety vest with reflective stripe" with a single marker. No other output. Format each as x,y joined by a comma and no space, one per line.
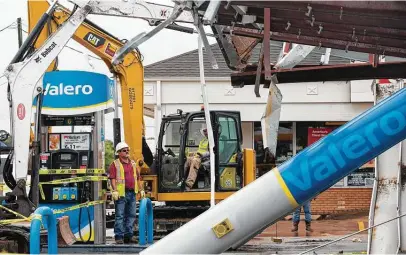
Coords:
120,178
203,146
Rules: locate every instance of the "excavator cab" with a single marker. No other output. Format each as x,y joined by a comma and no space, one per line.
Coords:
179,139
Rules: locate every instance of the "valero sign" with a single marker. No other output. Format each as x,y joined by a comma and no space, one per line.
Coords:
76,92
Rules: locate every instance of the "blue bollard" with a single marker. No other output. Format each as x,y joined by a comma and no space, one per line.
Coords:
146,211
35,229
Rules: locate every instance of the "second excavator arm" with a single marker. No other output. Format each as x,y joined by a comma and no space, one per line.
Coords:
130,73
24,76
25,84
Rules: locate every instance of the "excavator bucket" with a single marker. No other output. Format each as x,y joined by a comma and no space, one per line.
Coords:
65,235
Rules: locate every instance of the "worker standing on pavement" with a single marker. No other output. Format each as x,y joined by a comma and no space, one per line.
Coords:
124,176
308,217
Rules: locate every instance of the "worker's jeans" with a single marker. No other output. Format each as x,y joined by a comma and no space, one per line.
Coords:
307,211
125,216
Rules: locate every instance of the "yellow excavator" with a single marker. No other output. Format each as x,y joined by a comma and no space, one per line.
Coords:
179,135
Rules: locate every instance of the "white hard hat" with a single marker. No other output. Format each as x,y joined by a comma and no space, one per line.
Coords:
120,146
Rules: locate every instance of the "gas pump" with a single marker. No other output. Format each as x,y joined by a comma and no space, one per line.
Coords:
68,179
72,179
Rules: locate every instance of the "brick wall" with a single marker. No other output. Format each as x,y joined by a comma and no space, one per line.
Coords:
338,200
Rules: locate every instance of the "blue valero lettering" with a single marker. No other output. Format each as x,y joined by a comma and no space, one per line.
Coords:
69,90
343,153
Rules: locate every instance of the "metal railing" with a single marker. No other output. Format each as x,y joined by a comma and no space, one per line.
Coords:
146,222
36,222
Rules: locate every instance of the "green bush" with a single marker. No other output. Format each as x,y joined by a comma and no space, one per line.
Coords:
109,154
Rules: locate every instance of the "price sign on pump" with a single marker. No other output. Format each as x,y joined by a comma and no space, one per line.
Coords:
79,142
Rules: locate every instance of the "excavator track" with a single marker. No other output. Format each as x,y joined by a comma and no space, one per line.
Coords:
14,239
169,218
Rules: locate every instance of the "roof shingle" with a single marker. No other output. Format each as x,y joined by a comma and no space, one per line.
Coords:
187,64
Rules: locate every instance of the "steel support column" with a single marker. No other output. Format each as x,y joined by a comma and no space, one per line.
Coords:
402,195
384,238
99,222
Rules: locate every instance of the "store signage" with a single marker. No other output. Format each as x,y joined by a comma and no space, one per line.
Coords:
76,92
67,120
79,142
315,134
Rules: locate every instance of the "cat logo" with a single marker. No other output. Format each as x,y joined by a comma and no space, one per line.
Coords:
94,40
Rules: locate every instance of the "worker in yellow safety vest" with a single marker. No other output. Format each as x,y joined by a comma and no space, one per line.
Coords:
194,162
124,176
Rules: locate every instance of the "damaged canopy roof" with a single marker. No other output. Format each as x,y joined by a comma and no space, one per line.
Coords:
377,27
374,27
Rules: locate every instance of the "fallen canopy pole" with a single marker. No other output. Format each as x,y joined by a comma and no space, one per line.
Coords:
286,187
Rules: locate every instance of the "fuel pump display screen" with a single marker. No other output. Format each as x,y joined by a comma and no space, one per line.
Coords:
63,160
66,156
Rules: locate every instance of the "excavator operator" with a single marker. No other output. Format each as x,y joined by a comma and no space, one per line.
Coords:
194,162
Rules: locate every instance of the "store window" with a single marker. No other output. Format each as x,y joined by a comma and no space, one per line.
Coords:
308,133
303,135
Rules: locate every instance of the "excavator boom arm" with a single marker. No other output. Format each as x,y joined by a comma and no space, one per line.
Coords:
151,12
25,84
130,72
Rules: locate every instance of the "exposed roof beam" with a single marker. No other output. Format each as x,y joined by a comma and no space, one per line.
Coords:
326,42
348,72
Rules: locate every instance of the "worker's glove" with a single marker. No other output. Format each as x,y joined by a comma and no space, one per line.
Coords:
115,195
142,193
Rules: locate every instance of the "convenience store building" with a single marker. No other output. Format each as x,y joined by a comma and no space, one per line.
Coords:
309,111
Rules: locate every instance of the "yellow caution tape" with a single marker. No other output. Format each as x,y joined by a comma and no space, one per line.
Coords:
13,212
71,180
76,179
72,171
39,217
75,207
41,191
6,222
